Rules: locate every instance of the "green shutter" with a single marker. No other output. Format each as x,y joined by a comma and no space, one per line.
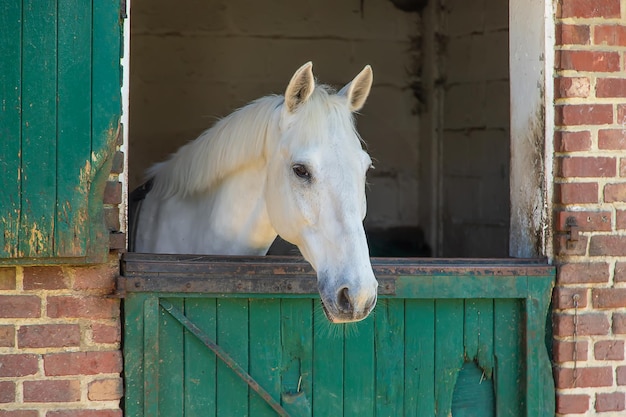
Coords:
59,118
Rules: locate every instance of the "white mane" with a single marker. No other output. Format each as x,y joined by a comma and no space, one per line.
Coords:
237,140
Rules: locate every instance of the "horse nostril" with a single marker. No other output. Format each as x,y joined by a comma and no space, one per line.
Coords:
343,301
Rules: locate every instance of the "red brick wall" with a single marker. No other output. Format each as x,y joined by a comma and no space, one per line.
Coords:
60,337
590,189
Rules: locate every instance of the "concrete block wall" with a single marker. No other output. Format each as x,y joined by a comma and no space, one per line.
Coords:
590,193
60,342
475,148
194,61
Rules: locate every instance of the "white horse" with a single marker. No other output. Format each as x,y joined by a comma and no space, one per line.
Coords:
292,166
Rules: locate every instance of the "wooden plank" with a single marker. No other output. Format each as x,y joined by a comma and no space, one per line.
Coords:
10,126
539,381
462,286
297,353
200,361
486,359
171,363
360,369
389,346
74,127
328,359
133,354
471,329
419,379
232,336
510,399
151,357
265,353
39,151
448,352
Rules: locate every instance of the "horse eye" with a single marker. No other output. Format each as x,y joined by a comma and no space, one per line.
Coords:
301,171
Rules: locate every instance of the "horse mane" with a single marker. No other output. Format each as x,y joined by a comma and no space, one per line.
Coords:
233,142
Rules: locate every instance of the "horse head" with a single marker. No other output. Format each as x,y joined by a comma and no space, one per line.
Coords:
315,189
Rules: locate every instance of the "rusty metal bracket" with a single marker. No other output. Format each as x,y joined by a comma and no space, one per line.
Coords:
573,233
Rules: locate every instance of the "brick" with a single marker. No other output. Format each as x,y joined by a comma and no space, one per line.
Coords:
588,61
572,141
102,333
82,363
621,114
579,166
583,273
564,351
587,221
18,365
83,307
622,167
620,219
611,87
615,193
84,413
112,218
572,404
105,389
619,274
113,192
613,35
609,350
7,335
589,324
608,297
607,245
563,248
19,306
45,278
584,377
19,413
7,278
576,193
7,391
563,297
621,375
48,391
612,401
49,335
619,323
101,278
118,163
572,34
583,114
568,87
588,9
612,139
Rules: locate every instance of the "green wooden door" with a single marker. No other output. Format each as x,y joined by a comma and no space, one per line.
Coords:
439,331
59,121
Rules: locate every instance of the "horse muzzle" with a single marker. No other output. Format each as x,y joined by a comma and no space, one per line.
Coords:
348,303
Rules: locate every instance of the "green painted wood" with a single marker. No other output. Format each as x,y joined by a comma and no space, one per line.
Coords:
359,389
470,286
297,364
171,362
39,126
473,394
265,353
448,351
151,357
486,359
419,373
10,126
328,360
232,325
74,127
539,381
389,345
200,363
508,336
133,354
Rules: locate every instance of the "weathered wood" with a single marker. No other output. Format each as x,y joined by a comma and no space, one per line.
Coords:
10,126
389,345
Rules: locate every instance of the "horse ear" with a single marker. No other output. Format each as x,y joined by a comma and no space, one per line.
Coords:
300,87
358,89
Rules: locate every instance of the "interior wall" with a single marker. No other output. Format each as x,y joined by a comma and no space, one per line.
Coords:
194,61
475,137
